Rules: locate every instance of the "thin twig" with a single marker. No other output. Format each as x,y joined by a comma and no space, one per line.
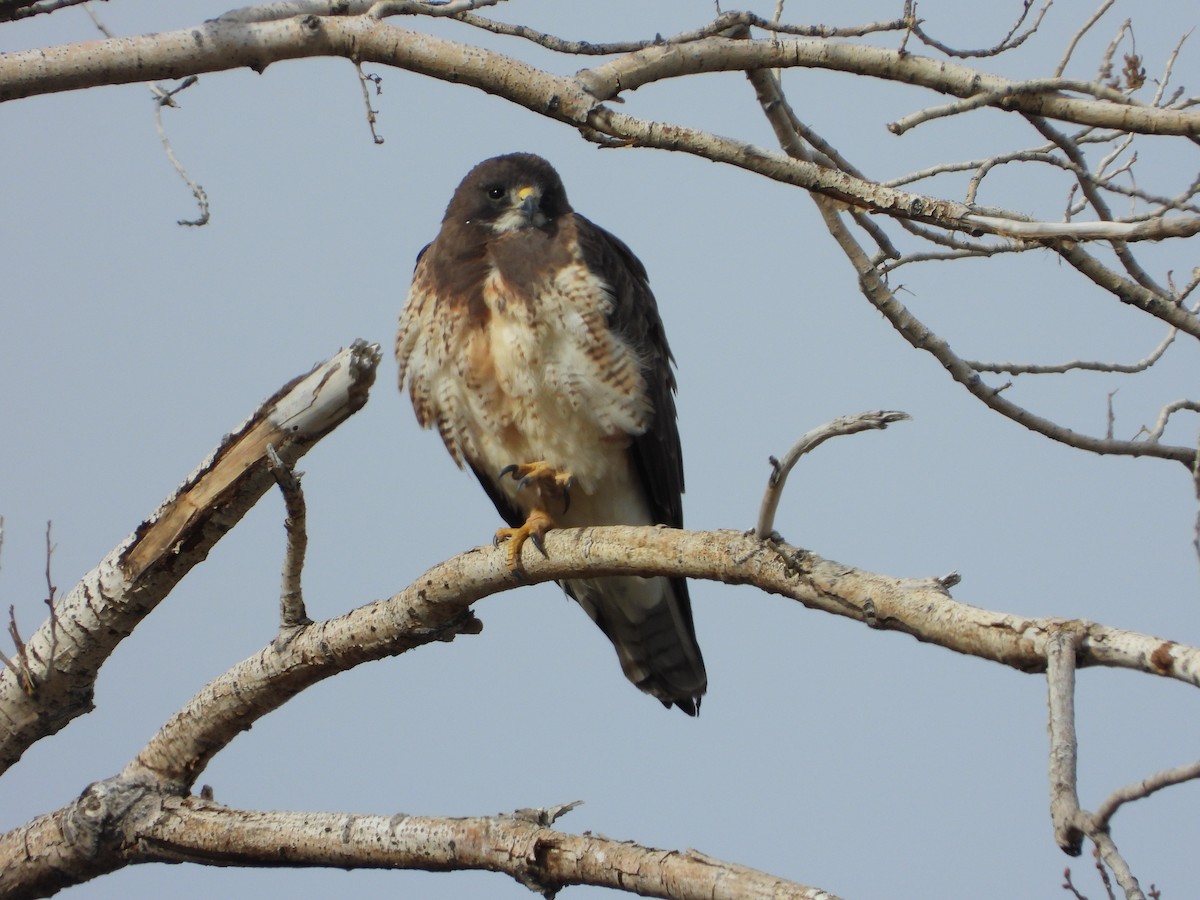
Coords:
1078,365
164,97
292,615
1168,68
1106,59
1068,885
875,419
1143,789
20,663
434,8
874,288
723,23
1078,36
1008,42
372,113
51,590
100,26
996,98
1154,435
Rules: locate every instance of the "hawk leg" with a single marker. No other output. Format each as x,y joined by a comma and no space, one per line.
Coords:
548,483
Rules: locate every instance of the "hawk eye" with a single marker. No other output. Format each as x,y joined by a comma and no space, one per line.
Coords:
496,192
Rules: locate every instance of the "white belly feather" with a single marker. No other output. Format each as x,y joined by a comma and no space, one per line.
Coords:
549,380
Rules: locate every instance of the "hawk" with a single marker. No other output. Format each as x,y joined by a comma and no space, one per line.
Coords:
532,342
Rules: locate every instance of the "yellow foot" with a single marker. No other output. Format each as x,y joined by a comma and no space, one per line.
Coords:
535,528
548,480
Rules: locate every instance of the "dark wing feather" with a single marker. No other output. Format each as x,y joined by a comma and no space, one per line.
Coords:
657,453
635,317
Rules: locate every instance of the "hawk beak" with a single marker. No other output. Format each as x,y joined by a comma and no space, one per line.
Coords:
528,198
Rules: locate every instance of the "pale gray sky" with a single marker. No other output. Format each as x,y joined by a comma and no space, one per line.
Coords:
858,761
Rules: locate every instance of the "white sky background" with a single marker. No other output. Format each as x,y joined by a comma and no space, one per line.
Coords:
858,761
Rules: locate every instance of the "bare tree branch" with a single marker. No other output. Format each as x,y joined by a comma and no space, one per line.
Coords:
1010,41
997,98
164,97
782,119
292,615
1159,305
116,824
1154,435
1143,789
780,469
11,10
1078,365
1078,36
1064,795
436,607
99,612
229,44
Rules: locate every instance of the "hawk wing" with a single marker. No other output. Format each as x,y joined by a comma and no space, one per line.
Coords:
652,629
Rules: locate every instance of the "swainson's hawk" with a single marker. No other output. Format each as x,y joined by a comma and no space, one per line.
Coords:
532,342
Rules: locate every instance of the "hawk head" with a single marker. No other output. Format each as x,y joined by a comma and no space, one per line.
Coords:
508,193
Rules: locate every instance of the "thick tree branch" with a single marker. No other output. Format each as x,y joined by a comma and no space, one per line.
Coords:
230,43
437,607
94,617
722,54
113,825
537,856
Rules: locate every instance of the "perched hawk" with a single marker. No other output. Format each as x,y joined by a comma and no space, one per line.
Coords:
532,343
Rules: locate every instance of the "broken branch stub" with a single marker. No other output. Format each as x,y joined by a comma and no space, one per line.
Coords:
106,605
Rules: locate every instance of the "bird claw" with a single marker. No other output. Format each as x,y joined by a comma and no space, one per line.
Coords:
567,488
534,529
543,476
536,539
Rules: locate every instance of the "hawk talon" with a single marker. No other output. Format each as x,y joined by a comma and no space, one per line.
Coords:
534,529
542,475
537,542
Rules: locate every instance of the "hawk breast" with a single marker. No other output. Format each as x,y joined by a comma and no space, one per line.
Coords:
536,373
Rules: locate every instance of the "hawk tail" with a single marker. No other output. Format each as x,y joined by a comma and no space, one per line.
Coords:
649,621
